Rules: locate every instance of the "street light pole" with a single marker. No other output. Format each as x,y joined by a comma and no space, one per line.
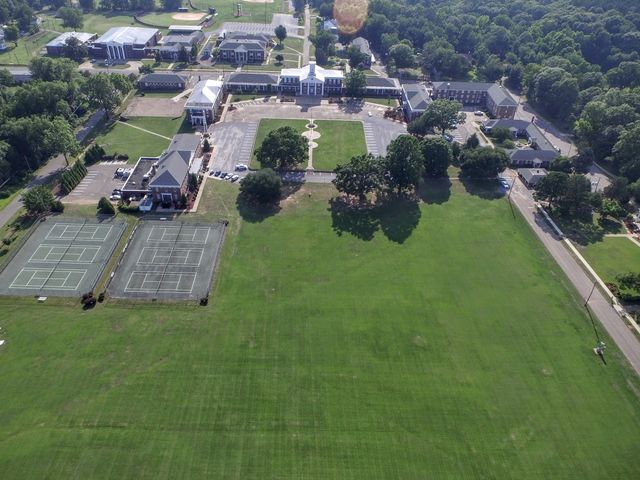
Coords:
590,293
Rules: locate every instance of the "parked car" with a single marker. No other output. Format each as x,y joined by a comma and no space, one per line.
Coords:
241,167
478,113
116,191
119,172
447,137
115,197
235,178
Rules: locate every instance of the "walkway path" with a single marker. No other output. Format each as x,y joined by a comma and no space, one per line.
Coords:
307,32
598,303
143,129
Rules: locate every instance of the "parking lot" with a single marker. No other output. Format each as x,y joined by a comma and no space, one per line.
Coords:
99,182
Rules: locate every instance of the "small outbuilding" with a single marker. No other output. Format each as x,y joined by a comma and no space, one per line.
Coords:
531,176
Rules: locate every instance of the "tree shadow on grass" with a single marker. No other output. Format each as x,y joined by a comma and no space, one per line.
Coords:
396,216
255,212
435,190
487,189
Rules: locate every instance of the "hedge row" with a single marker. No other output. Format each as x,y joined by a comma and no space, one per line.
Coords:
73,176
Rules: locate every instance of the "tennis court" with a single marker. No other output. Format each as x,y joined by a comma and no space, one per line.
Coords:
168,260
62,258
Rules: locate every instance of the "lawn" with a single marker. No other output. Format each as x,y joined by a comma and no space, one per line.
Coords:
387,102
101,22
612,256
269,124
584,233
338,142
119,138
252,12
458,353
27,48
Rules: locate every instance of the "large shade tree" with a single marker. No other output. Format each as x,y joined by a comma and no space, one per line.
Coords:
282,149
403,166
359,176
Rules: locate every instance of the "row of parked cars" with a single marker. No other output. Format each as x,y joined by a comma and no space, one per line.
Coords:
240,167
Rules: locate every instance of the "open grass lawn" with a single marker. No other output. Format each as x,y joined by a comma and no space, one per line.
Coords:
252,12
440,342
387,102
26,49
269,124
101,21
119,138
613,256
584,233
338,142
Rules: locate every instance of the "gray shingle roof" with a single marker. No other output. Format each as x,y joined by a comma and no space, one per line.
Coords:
246,44
252,78
417,96
162,78
382,82
173,165
501,97
529,155
469,86
362,44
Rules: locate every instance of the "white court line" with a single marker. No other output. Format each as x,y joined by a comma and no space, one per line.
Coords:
141,289
46,258
49,271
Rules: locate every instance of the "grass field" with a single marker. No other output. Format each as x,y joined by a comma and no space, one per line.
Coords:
612,256
137,143
27,48
269,124
252,12
338,142
458,353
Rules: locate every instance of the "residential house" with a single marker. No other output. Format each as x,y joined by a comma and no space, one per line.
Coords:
125,43
162,81
331,26
531,176
362,44
55,47
540,151
204,101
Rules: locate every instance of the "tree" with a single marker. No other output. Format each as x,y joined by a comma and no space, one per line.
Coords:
551,187
501,134
325,46
576,201
611,208
355,56
279,58
556,91
402,54
53,69
170,5
281,33
61,138
38,200
263,186
87,4
355,83
193,53
71,17
483,162
437,156
618,190
630,281
283,148
206,146
625,152
11,33
146,68
74,50
403,166
106,207
359,176
491,69
561,164
6,79
101,93
472,142
442,114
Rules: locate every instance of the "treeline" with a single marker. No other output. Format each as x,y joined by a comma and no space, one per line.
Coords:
576,60
38,119
73,176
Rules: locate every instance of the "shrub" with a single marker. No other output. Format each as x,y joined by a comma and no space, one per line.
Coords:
106,207
7,241
73,176
4,194
508,144
101,297
57,207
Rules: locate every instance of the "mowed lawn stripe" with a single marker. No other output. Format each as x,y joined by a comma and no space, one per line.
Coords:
339,141
455,350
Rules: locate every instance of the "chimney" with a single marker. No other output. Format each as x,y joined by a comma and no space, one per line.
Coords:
312,68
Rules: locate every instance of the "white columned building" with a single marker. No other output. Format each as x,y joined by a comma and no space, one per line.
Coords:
311,80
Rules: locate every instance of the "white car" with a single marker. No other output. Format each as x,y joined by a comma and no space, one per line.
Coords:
241,167
115,196
478,113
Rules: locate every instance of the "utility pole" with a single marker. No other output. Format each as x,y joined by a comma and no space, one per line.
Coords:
590,293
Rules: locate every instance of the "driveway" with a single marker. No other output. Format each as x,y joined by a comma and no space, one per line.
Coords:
598,303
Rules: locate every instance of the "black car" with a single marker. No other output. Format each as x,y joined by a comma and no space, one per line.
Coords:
217,173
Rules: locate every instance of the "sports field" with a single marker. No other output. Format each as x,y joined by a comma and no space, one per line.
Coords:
434,341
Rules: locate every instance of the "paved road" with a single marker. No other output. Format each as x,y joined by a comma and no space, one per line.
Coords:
49,170
307,31
599,305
